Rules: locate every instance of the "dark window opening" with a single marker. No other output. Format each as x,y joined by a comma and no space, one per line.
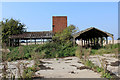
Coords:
53,25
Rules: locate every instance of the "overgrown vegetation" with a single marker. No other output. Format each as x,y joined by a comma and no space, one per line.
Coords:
83,54
104,74
61,46
49,50
29,72
54,50
108,49
10,27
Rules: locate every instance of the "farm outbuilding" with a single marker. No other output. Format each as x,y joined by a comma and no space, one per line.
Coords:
89,37
92,36
14,40
59,23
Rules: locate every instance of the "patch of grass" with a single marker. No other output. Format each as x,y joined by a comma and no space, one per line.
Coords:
48,50
98,69
106,75
29,72
108,49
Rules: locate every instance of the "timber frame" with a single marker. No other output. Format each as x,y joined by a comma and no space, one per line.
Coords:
88,37
91,36
14,40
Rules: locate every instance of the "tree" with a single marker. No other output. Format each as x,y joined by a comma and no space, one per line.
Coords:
66,35
11,27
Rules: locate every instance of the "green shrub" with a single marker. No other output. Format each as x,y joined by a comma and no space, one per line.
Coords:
99,69
29,72
93,52
79,52
48,50
111,46
89,64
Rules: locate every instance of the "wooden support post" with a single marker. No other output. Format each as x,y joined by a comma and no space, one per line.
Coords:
26,42
82,42
106,40
94,41
97,40
12,42
112,40
91,41
101,41
43,40
15,42
73,41
9,42
88,41
35,41
18,42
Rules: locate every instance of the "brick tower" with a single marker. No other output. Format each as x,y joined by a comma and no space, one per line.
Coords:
59,23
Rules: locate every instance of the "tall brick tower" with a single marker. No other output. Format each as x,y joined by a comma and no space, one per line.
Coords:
59,23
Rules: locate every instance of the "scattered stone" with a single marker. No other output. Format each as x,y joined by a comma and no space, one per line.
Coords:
67,59
45,62
73,65
67,62
83,67
72,72
42,67
117,63
79,62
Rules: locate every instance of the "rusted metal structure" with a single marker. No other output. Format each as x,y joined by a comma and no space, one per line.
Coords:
14,40
91,36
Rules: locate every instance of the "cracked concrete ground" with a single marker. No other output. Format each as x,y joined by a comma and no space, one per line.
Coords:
63,68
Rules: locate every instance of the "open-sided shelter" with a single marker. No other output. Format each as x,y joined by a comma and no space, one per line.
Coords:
92,36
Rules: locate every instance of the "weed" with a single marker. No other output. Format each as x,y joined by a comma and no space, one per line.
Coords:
79,52
99,69
57,59
106,75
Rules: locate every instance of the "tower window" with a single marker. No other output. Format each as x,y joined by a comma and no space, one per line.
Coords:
53,25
